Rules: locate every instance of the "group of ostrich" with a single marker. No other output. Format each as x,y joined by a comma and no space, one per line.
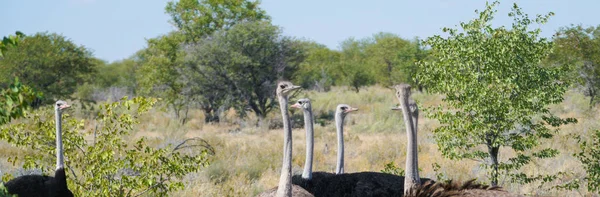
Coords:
361,183
308,183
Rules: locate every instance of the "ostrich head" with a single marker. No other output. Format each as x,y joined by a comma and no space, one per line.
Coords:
61,105
285,87
302,104
402,90
344,109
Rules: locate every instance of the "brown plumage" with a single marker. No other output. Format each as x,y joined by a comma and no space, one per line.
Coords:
453,189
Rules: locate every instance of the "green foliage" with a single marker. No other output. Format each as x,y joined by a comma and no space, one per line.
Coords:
391,168
197,18
109,164
162,62
496,92
4,192
590,157
392,58
49,63
15,101
10,41
242,64
317,71
580,47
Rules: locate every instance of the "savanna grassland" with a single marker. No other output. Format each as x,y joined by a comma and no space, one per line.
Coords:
248,153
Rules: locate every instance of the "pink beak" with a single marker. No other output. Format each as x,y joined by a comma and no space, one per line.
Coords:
351,110
64,106
296,105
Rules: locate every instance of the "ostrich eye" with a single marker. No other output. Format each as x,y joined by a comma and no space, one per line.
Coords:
282,86
58,104
343,108
300,102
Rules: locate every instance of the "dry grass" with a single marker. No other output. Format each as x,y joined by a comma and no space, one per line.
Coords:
248,157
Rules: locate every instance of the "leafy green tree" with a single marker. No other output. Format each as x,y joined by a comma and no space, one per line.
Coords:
352,68
392,59
198,18
161,62
318,70
10,41
15,101
496,93
590,157
109,164
244,64
158,74
49,63
580,46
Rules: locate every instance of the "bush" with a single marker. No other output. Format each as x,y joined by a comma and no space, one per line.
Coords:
108,166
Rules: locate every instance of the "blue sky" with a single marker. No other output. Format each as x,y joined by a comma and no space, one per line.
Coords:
116,29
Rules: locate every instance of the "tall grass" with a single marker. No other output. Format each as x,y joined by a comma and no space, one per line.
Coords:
248,157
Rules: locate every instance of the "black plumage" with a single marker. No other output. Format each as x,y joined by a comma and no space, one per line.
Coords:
40,185
367,184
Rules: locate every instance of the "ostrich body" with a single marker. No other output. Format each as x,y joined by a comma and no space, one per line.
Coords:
285,188
452,189
40,185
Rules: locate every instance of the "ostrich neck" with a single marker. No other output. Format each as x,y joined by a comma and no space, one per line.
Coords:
59,146
339,124
285,181
308,124
411,179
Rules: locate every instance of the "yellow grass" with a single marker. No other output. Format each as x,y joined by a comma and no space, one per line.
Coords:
248,158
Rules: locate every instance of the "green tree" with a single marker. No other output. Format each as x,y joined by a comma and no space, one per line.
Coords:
245,63
392,59
580,46
589,156
318,70
161,62
354,71
198,18
112,163
15,101
10,41
49,63
496,93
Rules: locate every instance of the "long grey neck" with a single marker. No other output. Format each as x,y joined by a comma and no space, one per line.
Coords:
285,181
339,124
310,138
411,179
59,146
415,118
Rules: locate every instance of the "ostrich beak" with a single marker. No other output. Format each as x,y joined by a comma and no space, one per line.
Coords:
295,87
296,105
64,106
351,110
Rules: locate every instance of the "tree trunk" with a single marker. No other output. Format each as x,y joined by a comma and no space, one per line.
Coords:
210,115
493,152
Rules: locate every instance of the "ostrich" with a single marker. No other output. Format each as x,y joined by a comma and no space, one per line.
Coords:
285,187
38,185
409,111
340,113
412,181
308,177
352,184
